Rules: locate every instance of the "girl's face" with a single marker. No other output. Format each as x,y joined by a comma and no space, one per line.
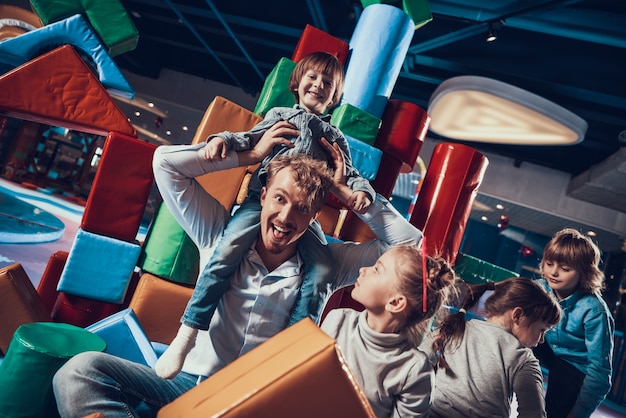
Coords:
562,278
315,92
530,334
377,284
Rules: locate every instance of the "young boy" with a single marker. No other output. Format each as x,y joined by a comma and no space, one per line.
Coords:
578,352
316,83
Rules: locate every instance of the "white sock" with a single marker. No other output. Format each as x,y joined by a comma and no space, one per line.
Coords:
171,361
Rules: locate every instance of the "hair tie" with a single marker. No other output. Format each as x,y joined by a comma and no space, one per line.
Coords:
463,311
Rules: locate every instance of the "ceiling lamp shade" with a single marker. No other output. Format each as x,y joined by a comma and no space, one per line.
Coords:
479,109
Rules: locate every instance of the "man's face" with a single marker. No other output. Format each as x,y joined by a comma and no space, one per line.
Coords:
285,216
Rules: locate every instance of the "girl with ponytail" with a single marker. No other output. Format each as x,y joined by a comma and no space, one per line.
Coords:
401,293
482,363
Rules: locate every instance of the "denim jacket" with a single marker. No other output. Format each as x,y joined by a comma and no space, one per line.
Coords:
584,338
312,128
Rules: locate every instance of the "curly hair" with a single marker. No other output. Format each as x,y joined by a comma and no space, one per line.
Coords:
312,176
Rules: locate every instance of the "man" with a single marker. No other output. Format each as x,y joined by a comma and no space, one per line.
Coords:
262,291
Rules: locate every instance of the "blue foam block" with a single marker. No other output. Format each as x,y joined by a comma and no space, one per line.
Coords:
99,267
379,45
125,338
365,157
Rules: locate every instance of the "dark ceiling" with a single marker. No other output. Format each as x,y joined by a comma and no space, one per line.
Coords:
569,52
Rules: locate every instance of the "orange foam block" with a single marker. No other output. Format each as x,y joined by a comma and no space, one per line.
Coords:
58,88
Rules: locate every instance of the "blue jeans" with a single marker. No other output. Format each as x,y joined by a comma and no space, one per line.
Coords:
240,234
93,382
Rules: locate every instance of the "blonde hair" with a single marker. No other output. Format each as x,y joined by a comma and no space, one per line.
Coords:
323,62
440,286
576,250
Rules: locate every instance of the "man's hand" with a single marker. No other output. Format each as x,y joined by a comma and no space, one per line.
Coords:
276,135
215,149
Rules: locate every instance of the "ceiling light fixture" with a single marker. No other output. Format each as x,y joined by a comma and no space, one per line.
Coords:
491,34
479,109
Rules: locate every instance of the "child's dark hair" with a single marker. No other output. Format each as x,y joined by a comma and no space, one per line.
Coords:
323,62
441,280
576,250
536,303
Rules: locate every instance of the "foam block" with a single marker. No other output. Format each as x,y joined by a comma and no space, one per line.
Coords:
224,115
299,372
417,10
159,304
168,251
316,40
387,175
20,303
99,267
108,18
36,352
356,123
275,92
74,30
47,288
125,338
446,197
120,189
379,44
81,311
365,157
84,105
402,132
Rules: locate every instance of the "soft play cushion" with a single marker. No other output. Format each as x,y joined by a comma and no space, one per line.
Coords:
168,251
365,158
59,89
403,130
356,123
20,303
36,352
120,189
108,18
379,44
125,338
99,267
275,92
74,30
315,40
47,287
159,304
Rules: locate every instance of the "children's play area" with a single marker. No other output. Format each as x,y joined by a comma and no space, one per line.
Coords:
92,260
